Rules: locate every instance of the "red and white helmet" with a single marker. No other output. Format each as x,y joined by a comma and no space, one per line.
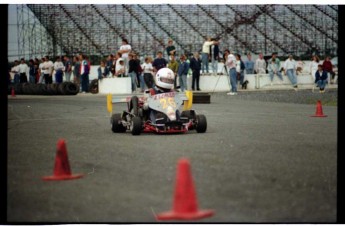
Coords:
165,78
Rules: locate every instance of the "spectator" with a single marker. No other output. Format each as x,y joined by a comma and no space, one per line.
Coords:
109,65
290,67
139,70
120,68
125,48
171,50
159,62
76,70
84,73
37,71
205,53
32,72
214,55
182,73
249,65
148,69
59,68
48,70
23,68
231,65
133,70
195,65
173,65
321,78
328,67
102,71
273,67
68,69
40,68
314,66
300,65
240,69
15,70
260,65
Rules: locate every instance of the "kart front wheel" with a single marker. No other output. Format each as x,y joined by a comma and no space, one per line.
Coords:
136,126
201,124
116,125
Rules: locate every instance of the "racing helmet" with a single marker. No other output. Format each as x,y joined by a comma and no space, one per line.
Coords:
165,78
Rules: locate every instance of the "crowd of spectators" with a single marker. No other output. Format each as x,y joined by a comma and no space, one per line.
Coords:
126,63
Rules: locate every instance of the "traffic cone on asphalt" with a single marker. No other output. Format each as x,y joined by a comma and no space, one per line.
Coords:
13,94
319,112
185,206
62,170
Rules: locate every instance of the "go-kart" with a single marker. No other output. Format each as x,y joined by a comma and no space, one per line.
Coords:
162,113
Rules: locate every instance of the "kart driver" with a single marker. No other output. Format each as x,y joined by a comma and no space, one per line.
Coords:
164,83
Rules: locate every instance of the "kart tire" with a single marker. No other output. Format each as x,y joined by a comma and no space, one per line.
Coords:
134,105
136,126
117,127
201,124
71,88
93,86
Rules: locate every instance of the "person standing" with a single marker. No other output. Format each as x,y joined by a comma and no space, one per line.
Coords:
133,70
260,65
173,65
125,49
58,67
321,78
32,72
48,70
23,68
159,62
41,71
231,66
205,54
170,49
215,56
84,73
76,70
68,69
195,65
148,69
290,68
182,73
240,70
249,64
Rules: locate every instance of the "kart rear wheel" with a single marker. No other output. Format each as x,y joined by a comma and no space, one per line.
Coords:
134,105
201,124
116,126
136,126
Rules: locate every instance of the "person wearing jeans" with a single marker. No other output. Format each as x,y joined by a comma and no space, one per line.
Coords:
84,71
321,77
231,65
290,67
182,73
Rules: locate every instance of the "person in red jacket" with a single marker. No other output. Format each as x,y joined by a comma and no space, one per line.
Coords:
328,67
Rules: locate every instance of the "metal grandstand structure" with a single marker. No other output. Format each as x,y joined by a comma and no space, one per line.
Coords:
98,29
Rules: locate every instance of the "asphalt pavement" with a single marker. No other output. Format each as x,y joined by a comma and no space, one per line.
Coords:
260,160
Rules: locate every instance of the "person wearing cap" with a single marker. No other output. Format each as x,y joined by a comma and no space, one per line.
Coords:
321,77
290,68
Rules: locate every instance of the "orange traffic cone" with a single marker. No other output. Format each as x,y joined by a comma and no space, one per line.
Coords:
185,206
319,112
13,94
62,170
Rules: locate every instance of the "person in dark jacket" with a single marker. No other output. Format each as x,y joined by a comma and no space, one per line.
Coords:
328,67
214,50
321,78
182,72
102,70
133,70
195,65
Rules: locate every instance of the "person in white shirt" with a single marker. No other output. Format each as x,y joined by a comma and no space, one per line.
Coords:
231,65
314,66
205,53
40,67
15,71
290,68
147,70
23,69
120,68
125,48
59,68
260,65
48,70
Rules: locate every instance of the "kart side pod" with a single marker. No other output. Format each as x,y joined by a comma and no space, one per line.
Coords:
189,102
